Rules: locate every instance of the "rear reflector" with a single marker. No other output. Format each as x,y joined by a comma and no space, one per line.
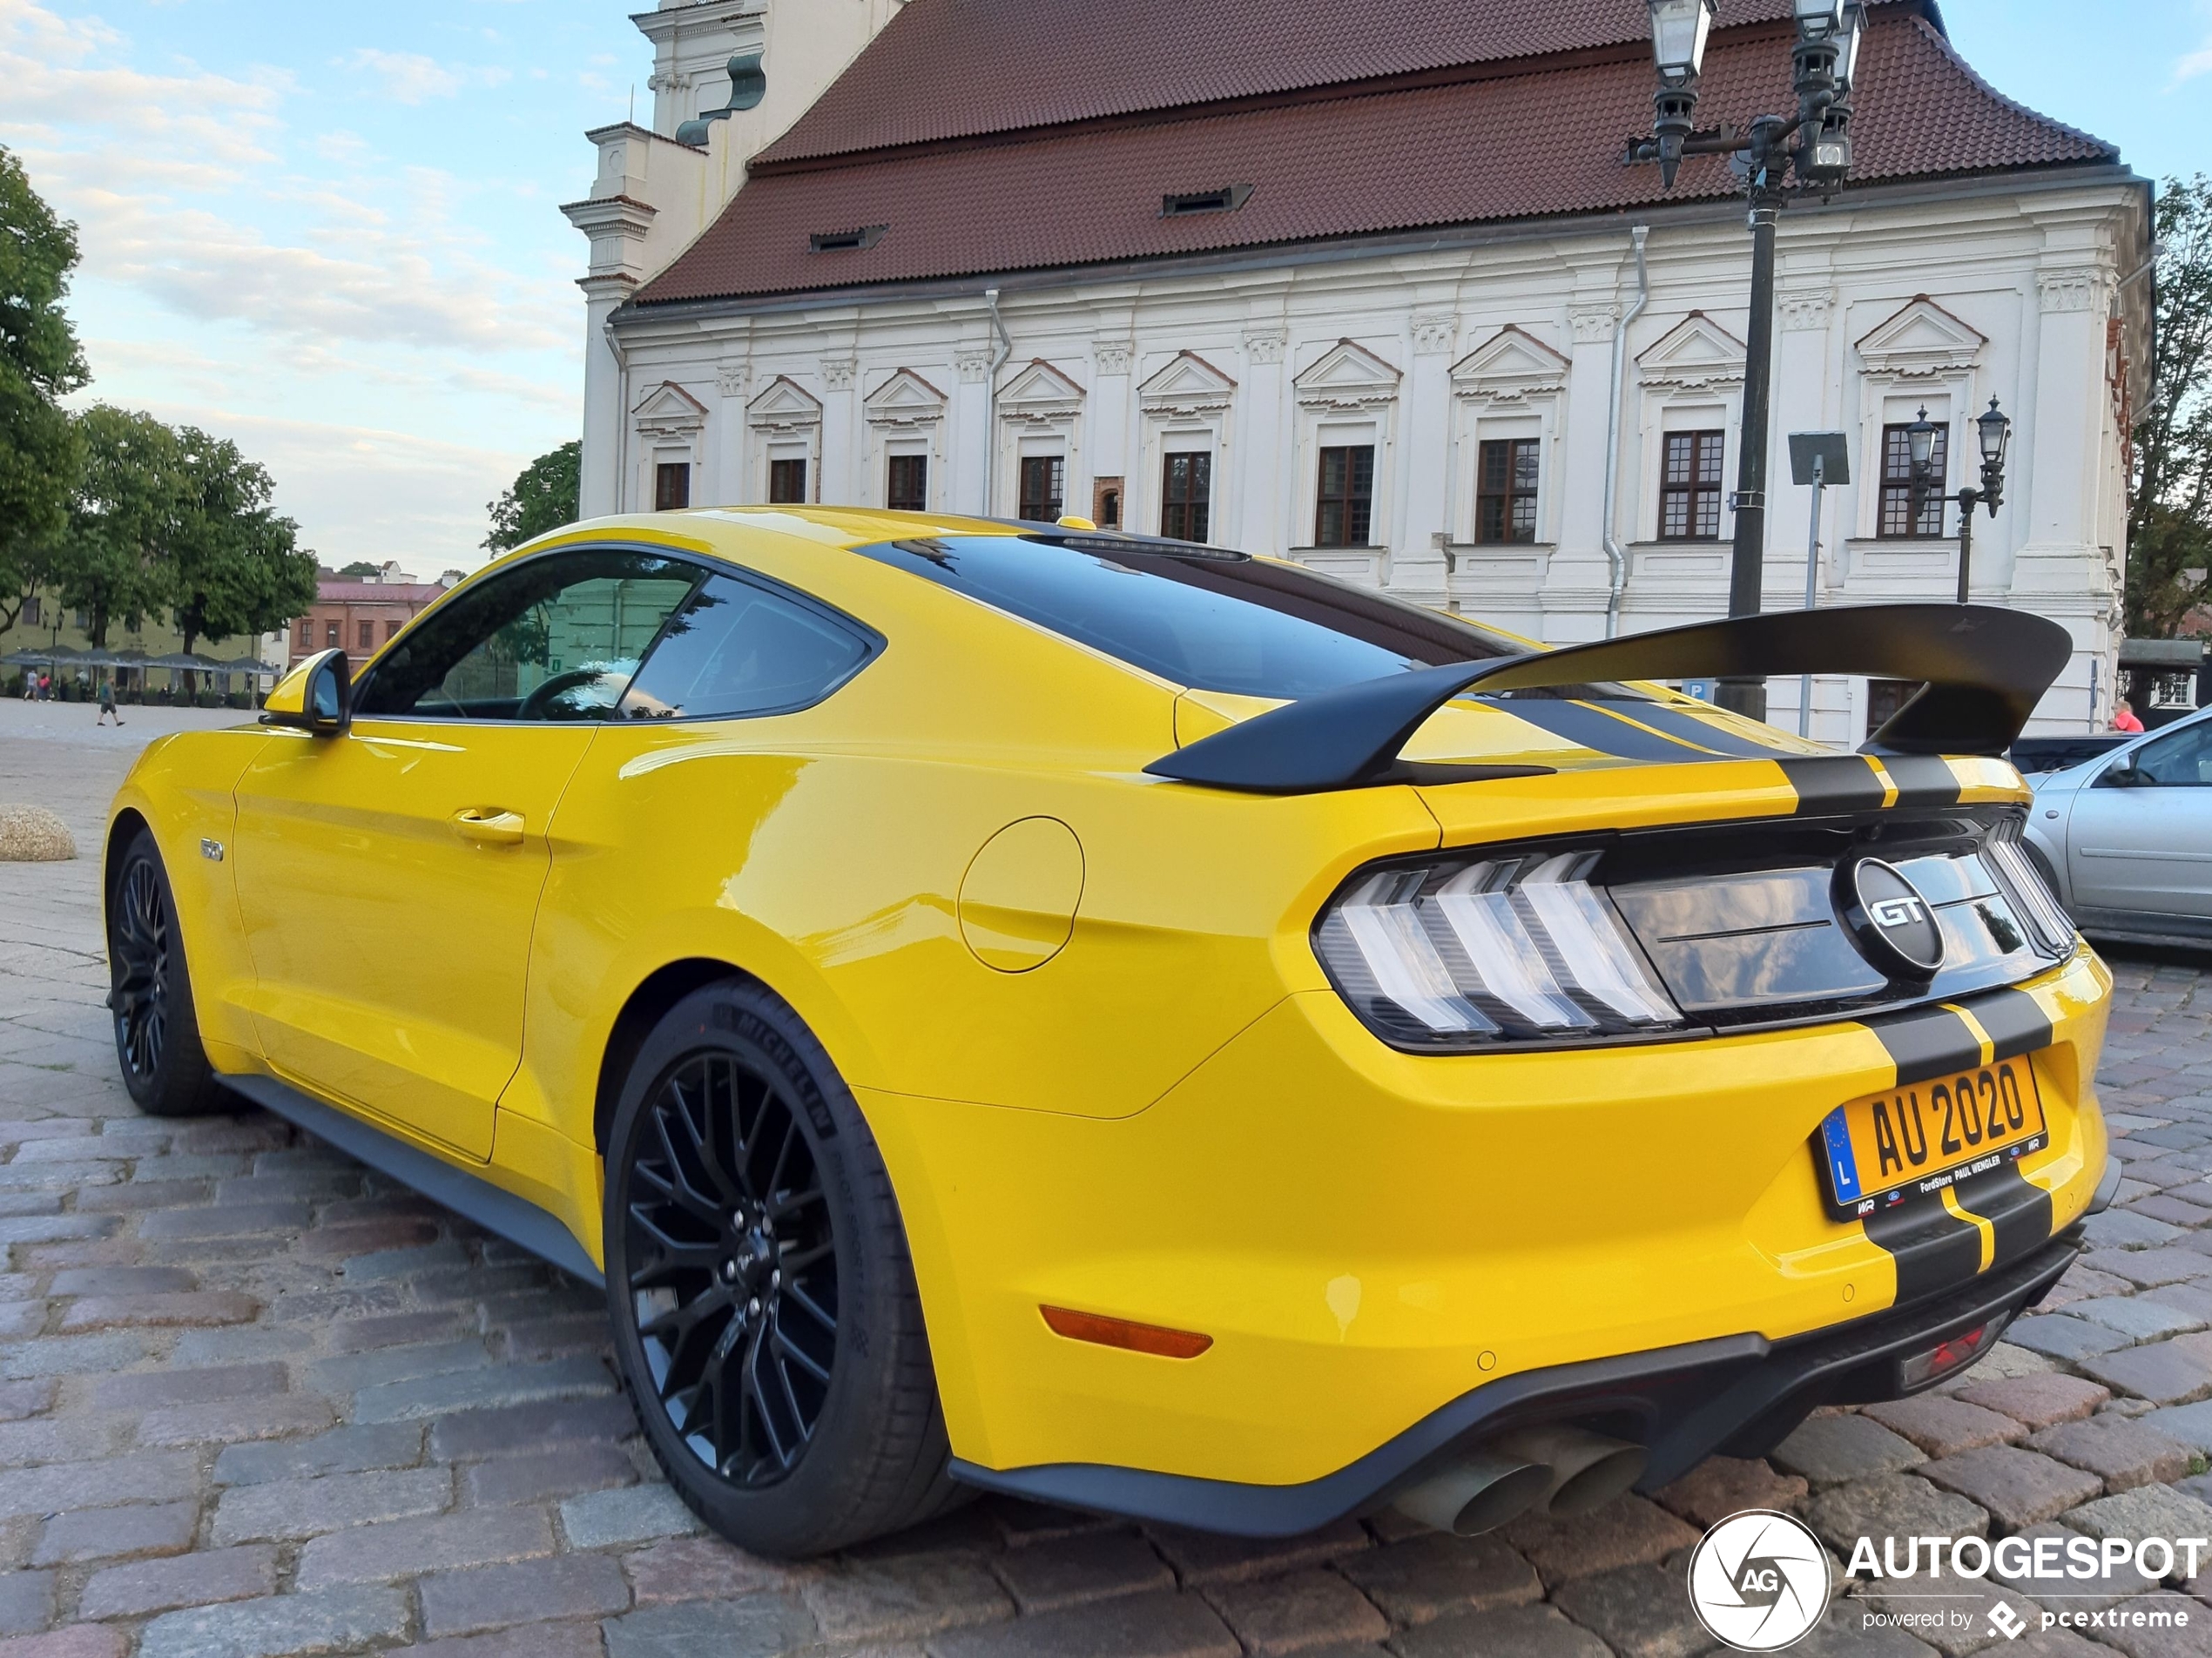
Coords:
1934,1364
1121,1332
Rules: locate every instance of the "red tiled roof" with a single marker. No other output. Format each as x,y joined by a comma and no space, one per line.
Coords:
377,592
1524,146
948,69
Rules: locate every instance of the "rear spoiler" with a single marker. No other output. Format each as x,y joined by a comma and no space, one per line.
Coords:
1983,670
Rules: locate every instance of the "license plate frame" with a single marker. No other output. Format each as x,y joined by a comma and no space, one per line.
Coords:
1864,1146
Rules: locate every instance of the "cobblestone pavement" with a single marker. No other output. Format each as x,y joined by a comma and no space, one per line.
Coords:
256,1401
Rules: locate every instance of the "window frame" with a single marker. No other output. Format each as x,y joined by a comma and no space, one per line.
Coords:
894,463
1322,499
1197,502
1511,494
1888,488
775,463
1695,487
1021,495
707,565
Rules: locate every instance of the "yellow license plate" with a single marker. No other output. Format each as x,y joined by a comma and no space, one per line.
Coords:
1882,1149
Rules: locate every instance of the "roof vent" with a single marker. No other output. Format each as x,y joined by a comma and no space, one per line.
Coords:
1227,199
838,241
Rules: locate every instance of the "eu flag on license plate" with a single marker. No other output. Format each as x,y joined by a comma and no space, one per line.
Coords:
1835,1136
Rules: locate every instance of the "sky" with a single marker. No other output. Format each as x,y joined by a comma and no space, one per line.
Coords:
327,229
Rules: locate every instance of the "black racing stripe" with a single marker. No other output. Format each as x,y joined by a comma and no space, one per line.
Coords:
1934,1250
1926,1043
1691,728
1830,783
2015,1022
1597,730
2018,1210
1922,780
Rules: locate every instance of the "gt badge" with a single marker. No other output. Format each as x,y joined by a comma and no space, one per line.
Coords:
1895,927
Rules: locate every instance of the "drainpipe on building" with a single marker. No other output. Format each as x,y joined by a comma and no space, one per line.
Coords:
1617,579
1004,354
622,411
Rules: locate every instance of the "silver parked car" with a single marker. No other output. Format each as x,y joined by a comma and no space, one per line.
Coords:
2126,839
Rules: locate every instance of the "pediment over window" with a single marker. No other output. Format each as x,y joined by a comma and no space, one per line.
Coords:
1696,353
1921,339
669,411
1188,385
783,405
1040,394
1512,364
906,398
1347,376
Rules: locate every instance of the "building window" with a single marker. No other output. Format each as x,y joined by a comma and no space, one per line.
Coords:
1106,503
786,482
365,634
1044,488
1899,521
671,486
907,489
1885,697
1505,490
391,630
1690,487
307,636
330,636
1186,495
1345,514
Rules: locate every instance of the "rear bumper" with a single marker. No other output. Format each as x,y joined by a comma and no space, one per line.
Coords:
1684,1404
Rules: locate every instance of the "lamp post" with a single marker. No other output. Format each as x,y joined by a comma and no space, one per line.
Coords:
1993,432
1815,144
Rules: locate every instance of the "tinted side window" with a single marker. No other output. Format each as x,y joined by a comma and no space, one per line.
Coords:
735,648
2181,760
557,638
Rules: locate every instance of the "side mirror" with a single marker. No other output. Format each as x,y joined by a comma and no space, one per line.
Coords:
317,695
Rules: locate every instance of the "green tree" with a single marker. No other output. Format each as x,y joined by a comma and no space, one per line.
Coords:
232,565
40,363
131,501
361,568
2169,519
544,498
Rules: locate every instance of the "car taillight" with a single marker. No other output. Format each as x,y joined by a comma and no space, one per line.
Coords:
1469,953
2030,892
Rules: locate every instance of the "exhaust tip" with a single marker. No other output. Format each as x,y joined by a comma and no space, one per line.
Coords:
1476,1494
1587,1470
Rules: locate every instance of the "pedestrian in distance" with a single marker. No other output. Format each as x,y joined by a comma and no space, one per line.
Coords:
2123,719
107,704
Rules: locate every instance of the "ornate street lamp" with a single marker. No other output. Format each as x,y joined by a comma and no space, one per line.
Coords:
1993,431
1815,145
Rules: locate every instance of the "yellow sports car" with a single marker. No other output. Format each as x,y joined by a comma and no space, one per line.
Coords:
1141,1027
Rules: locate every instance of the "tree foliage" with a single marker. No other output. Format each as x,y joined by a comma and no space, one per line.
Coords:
544,497
234,567
129,506
40,363
2169,522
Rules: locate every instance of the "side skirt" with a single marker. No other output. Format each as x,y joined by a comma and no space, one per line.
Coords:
516,1219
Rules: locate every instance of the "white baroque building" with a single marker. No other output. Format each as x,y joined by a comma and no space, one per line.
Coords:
1402,313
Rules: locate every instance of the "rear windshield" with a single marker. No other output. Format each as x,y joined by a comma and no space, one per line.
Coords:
1214,621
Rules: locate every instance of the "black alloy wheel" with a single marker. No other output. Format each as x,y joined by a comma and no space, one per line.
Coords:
157,1033
140,954
766,1322
733,1269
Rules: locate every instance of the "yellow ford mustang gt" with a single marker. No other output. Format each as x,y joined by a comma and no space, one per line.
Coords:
1135,1026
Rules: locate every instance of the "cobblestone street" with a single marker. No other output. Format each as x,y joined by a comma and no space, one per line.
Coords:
256,1401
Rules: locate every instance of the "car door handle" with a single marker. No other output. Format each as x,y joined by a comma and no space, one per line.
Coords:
489,825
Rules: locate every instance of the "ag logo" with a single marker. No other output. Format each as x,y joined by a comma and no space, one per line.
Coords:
1895,928
1758,1582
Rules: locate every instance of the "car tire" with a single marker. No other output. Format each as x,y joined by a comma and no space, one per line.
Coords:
766,1323
157,1033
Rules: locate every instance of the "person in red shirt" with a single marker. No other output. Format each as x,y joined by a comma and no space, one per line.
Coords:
2124,719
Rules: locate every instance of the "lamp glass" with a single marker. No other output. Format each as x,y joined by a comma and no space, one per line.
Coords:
1921,435
1854,35
1995,427
1678,31
1818,19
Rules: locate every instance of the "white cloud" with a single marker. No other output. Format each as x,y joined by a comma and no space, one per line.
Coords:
2193,65
411,77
